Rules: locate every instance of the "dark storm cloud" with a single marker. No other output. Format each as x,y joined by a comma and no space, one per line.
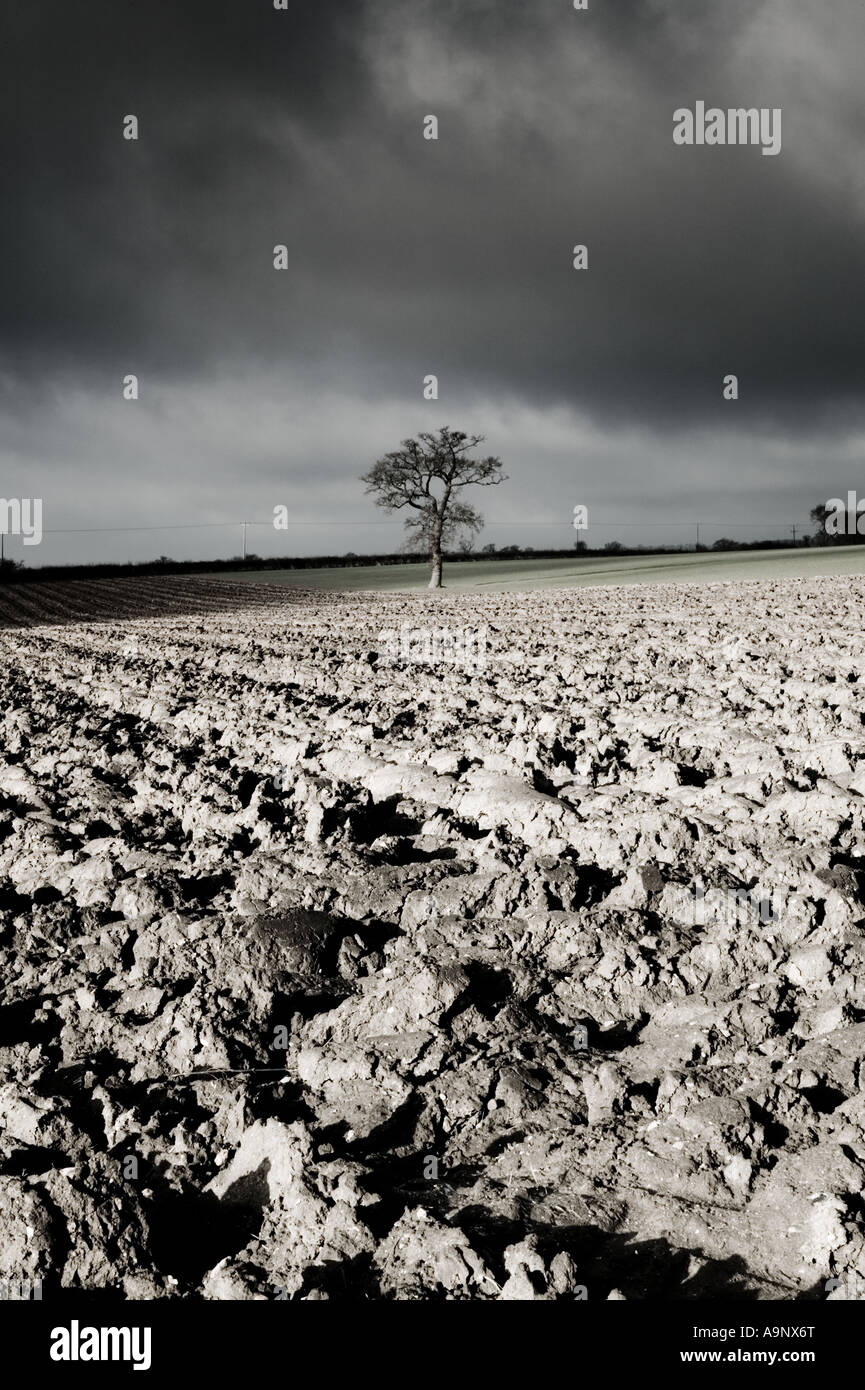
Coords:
409,257
100,226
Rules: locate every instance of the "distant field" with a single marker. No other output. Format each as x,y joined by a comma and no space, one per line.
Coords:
118,600
158,596
578,573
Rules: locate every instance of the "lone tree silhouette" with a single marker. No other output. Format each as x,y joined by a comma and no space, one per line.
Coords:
405,478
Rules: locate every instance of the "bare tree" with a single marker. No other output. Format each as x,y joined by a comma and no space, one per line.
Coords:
405,478
819,515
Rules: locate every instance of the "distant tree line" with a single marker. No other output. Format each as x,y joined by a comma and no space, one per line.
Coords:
12,571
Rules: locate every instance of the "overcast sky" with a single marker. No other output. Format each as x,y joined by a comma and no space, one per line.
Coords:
261,387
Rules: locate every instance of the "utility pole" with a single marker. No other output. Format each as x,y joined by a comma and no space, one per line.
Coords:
794,536
698,535
243,525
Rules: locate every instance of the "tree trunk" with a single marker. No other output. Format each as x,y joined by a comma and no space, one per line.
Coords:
435,550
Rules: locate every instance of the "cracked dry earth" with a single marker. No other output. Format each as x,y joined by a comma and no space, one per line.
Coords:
328,978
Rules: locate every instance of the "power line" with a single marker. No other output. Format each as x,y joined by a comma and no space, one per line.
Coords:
387,521
166,526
